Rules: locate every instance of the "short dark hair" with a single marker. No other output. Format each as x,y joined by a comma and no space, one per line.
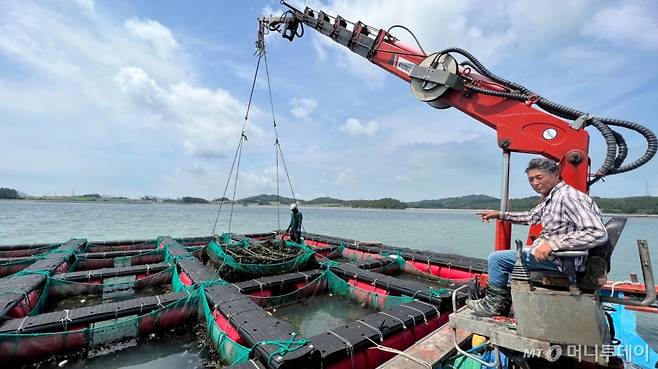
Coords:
543,164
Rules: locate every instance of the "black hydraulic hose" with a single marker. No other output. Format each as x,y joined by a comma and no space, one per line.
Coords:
486,71
611,143
469,64
652,143
617,150
411,33
508,95
608,134
622,150
559,110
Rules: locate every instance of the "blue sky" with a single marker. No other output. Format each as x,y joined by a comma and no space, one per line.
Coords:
147,98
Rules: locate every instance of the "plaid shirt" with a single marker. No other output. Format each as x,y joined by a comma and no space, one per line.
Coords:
570,221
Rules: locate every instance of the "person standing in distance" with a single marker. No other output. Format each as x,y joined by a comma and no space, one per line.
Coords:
295,227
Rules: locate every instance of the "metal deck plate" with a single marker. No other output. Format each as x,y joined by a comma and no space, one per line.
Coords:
502,332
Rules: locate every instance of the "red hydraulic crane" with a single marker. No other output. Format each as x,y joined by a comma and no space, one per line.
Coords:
524,121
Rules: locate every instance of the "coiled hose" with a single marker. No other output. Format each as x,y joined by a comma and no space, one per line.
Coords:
617,149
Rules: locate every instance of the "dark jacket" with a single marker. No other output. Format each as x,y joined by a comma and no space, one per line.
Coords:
295,221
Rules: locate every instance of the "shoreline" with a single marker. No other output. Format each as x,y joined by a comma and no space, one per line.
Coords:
311,206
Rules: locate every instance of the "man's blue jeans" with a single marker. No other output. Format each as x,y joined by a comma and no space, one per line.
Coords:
501,264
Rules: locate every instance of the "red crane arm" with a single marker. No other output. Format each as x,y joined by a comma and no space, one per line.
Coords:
519,126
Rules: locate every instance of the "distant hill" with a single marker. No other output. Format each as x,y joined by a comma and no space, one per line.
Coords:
462,202
626,205
193,200
629,205
266,199
385,203
8,193
325,200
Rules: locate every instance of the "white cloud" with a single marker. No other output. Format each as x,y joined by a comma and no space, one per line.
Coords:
89,5
74,45
71,54
303,108
22,45
132,73
488,30
633,23
127,88
209,181
319,48
354,127
157,35
268,11
211,121
345,176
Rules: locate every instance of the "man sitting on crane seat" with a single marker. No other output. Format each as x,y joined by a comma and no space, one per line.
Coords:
295,227
570,220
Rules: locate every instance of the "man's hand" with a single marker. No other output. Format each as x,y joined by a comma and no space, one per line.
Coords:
542,252
488,214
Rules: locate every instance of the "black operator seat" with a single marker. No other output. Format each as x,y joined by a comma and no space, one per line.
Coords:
597,267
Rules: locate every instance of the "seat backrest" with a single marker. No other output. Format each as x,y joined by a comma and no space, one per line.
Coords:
614,227
598,260
598,263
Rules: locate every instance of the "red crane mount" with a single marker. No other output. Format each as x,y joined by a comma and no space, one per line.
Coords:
524,121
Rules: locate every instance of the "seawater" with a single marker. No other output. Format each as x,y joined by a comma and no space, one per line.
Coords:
175,350
318,314
459,232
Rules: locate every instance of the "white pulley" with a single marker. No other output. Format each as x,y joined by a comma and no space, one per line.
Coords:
430,92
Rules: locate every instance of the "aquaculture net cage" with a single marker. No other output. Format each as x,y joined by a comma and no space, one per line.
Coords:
258,258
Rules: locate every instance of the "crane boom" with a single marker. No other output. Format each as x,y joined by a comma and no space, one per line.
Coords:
506,107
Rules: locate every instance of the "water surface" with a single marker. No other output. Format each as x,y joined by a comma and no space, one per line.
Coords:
318,314
459,232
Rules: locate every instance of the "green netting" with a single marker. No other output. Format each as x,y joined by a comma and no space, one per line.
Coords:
27,261
234,353
229,351
371,299
43,272
227,240
410,269
330,282
17,345
337,252
66,252
395,266
145,243
177,284
11,267
317,286
398,265
144,257
56,288
355,255
43,299
59,288
141,253
229,261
